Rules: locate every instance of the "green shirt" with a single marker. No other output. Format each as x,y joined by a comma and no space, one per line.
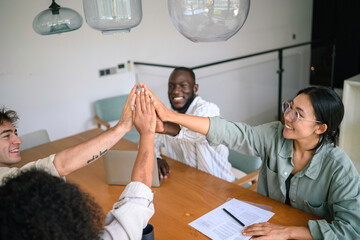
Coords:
328,186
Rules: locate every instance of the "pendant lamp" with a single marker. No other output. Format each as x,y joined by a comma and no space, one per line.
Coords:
56,19
208,20
113,16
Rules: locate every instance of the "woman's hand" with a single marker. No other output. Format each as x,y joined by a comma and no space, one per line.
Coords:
162,111
144,114
268,230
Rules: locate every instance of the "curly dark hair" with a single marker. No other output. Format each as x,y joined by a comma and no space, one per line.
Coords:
37,205
8,115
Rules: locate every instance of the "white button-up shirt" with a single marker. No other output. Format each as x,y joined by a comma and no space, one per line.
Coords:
193,149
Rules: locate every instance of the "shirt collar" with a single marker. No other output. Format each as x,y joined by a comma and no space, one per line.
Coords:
313,168
192,105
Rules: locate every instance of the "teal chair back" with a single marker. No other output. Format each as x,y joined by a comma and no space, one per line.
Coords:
243,162
109,109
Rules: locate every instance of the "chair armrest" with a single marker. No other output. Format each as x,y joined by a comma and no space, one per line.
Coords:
100,122
251,177
253,187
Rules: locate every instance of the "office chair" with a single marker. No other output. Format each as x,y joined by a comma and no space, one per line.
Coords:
109,109
249,165
34,139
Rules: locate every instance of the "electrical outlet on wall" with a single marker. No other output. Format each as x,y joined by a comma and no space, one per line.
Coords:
121,68
107,71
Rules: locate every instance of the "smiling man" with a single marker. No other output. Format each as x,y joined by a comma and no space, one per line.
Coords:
182,144
9,141
68,160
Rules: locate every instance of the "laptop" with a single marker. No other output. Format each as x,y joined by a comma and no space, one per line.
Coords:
118,167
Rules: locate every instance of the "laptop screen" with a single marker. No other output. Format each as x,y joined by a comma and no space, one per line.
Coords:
119,164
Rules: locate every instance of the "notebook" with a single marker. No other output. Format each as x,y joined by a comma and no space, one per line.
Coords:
118,167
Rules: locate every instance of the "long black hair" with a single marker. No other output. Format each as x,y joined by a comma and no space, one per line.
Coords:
328,109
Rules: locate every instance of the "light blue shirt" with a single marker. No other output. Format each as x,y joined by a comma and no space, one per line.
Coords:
328,186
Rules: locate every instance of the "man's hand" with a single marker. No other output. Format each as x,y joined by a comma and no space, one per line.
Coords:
163,167
126,119
160,126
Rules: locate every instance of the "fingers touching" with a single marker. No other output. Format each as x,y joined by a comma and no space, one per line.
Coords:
126,115
144,115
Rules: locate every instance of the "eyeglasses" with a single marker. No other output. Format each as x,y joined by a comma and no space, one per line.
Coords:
293,114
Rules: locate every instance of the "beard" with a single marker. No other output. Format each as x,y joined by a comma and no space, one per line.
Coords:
186,105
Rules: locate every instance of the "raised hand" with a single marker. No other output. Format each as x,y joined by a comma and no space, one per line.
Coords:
145,121
144,115
194,123
126,119
162,111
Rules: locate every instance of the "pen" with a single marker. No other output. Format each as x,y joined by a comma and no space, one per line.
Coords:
241,223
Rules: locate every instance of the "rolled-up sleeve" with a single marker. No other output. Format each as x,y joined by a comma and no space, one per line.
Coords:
131,214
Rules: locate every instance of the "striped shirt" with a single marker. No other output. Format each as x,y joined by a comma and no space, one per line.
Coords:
193,149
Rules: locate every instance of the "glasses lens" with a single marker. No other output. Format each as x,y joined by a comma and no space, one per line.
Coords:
285,106
286,109
294,115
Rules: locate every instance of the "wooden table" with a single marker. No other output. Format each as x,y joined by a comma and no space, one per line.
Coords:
184,196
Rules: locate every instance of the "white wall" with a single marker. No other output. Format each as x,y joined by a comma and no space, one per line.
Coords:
52,81
350,126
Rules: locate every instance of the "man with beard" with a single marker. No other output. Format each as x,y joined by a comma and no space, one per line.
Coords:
182,144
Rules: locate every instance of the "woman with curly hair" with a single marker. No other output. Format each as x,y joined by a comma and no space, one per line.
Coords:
35,204
301,164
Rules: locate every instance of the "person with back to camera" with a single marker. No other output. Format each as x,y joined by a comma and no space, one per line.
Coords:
301,164
185,145
38,205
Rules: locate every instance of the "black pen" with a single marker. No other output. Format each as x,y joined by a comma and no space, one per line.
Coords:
241,223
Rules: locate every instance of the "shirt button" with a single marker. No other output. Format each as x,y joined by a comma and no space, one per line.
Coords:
294,184
293,200
285,173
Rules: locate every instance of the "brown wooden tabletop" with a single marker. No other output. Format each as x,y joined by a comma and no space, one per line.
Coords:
184,196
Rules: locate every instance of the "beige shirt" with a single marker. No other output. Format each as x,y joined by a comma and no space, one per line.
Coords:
45,164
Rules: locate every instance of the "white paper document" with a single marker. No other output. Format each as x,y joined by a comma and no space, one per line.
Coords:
217,224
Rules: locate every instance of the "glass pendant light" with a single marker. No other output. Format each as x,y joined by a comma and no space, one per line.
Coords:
208,20
56,19
112,16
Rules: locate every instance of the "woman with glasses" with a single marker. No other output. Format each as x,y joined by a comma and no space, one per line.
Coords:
301,164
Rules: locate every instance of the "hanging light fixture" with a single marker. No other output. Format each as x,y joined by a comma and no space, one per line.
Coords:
112,16
208,20
56,19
